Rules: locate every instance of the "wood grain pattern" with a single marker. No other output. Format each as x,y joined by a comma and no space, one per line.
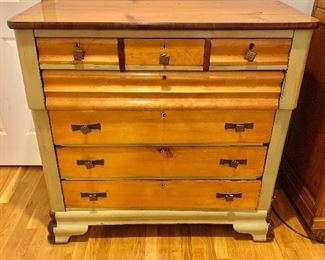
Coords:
233,51
162,82
320,14
158,127
161,162
182,52
162,194
166,34
100,90
24,234
145,14
163,101
60,51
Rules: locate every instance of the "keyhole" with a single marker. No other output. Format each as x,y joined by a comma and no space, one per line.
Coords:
164,45
163,115
251,45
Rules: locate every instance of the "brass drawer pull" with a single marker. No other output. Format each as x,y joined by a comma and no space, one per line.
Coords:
250,55
93,196
85,129
228,196
90,163
239,127
164,59
233,163
78,53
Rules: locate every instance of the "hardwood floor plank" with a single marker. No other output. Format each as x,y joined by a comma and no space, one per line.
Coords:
8,183
219,240
23,233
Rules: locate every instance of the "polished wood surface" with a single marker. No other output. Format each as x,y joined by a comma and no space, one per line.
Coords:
303,164
319,11
182,52
161,127
237,82
161,162
24,216
161,101
145,14
233,51
176,194
61,50
100,90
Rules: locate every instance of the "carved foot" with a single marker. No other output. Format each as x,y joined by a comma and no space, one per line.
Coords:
60,231
260,230
50,227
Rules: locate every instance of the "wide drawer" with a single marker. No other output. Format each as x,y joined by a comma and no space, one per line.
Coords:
81,90
161,127
178,194
161,162
99,51
164,52
250,51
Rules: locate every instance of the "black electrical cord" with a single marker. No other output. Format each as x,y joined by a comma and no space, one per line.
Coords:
309,236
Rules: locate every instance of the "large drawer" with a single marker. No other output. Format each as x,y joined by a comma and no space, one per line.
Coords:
161,162
164,52
97,51
161,127
174,194
82,90
261,51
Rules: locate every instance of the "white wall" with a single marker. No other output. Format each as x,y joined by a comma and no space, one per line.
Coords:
305,6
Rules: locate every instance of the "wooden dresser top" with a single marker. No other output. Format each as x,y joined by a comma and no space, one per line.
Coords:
161,14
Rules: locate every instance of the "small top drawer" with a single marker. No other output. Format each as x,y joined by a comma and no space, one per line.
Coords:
77,51
250,51
164,52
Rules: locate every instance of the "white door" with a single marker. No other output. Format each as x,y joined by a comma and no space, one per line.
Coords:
305,6
18,145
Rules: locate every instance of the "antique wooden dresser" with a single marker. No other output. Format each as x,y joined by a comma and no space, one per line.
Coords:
303,163
161,111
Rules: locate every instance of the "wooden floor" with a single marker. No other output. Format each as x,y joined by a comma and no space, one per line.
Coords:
23,233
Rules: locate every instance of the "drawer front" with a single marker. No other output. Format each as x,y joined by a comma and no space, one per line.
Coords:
161,194
161,162
161,127
77,51
227,82
164,52
105,90
250,51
